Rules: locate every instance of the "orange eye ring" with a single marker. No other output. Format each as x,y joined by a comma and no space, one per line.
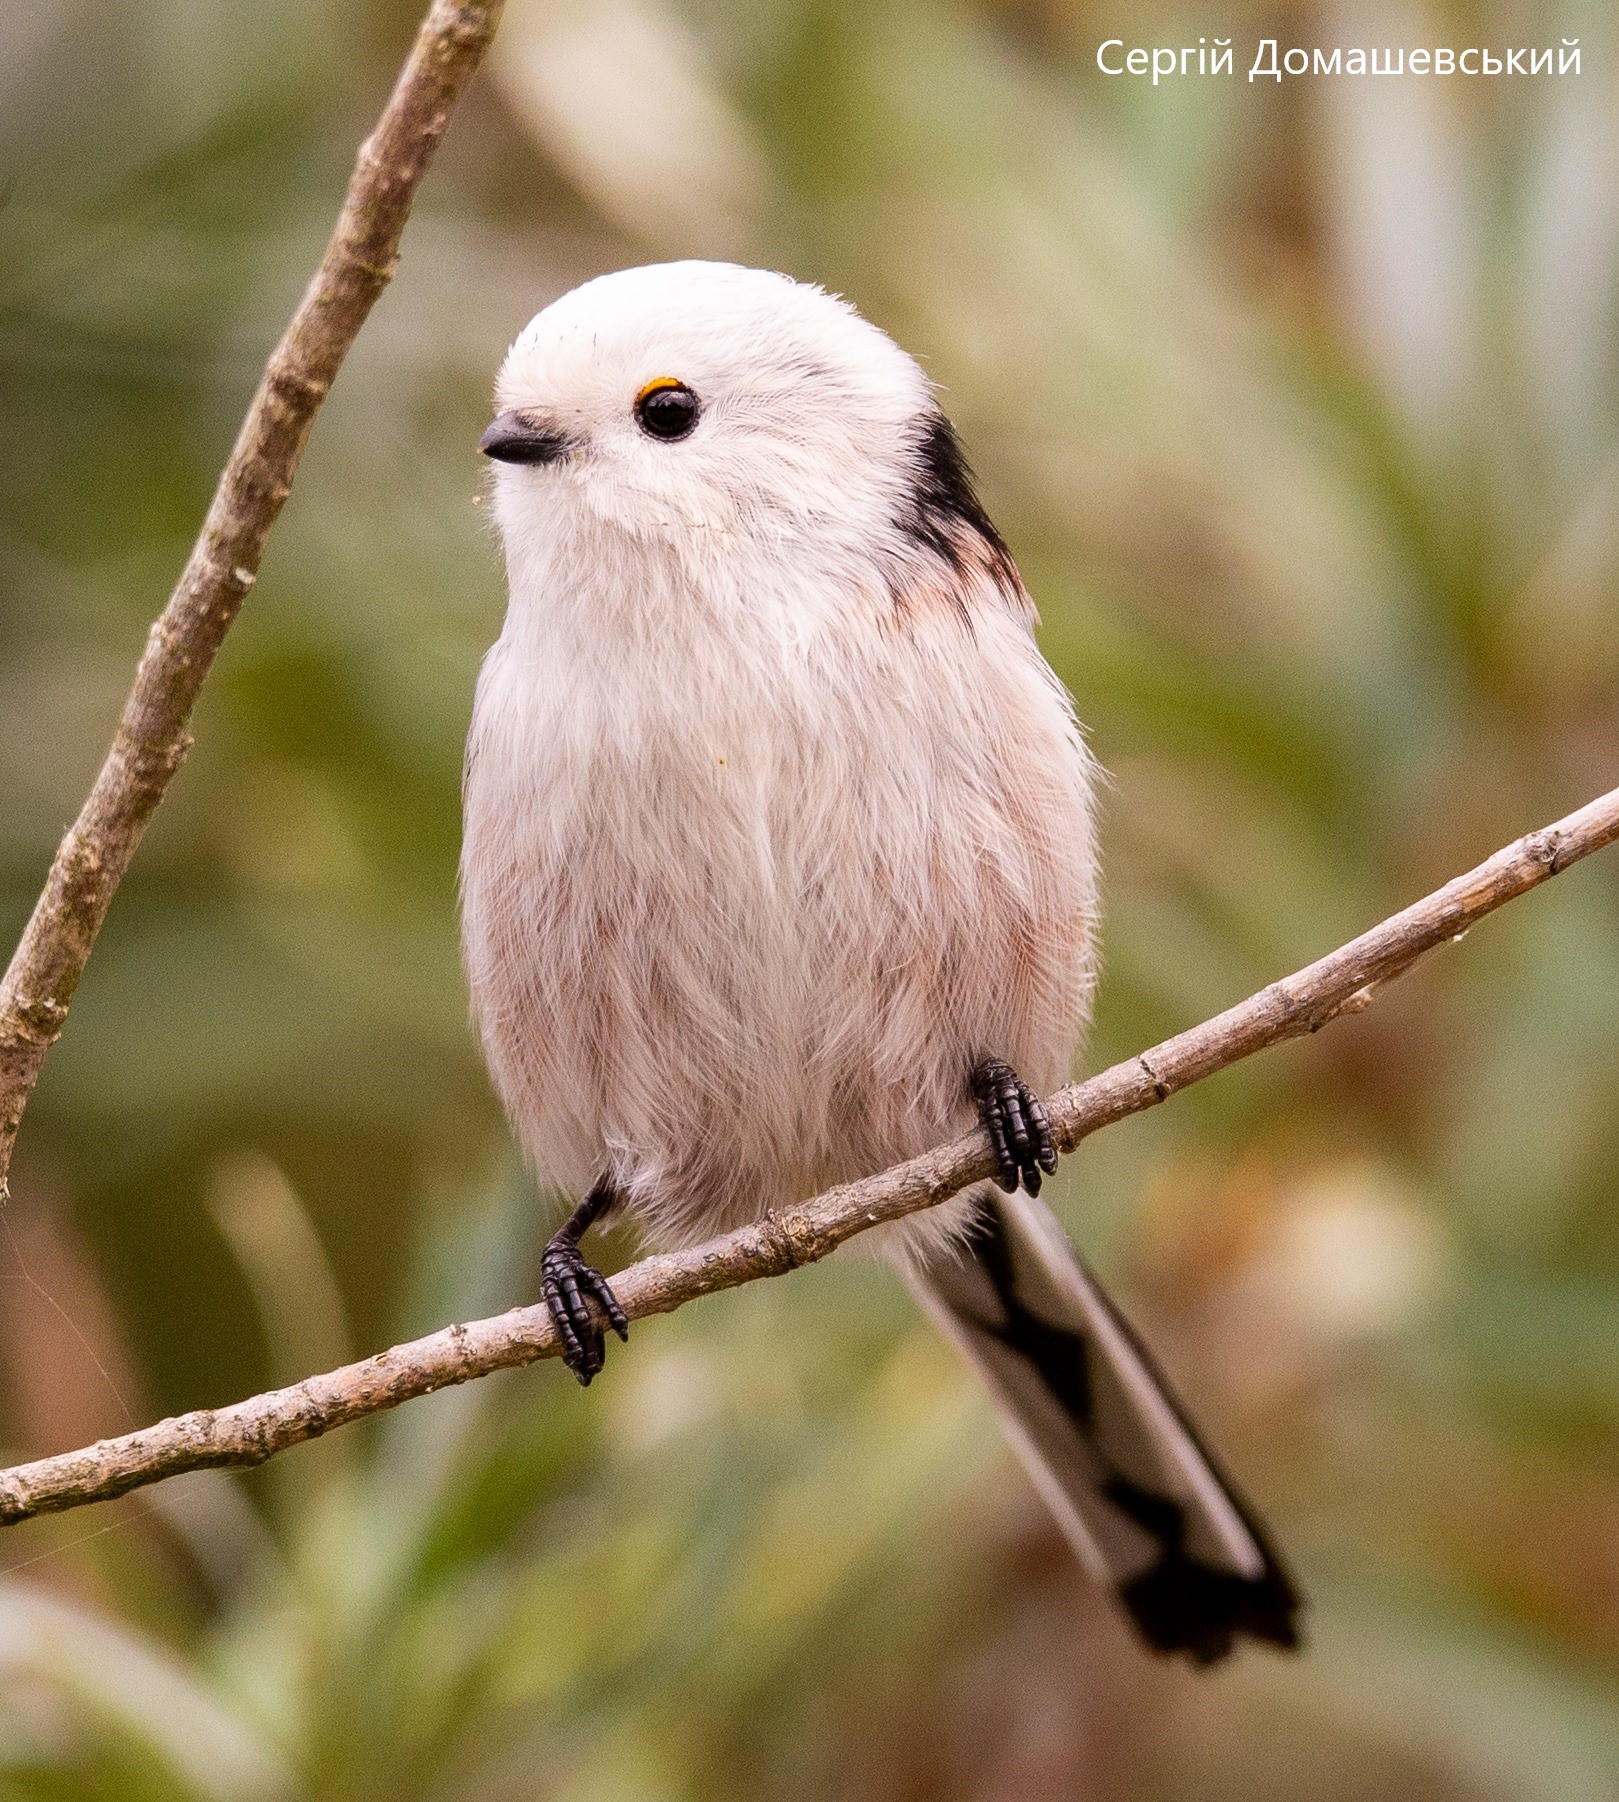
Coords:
666,408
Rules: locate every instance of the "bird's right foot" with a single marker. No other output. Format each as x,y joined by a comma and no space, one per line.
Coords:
569,1285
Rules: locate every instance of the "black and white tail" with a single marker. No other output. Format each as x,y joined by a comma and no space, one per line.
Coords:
1108,1445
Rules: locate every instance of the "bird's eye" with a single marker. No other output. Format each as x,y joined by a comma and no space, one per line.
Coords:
666,408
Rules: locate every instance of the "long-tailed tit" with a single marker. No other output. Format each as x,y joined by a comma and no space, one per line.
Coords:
779,866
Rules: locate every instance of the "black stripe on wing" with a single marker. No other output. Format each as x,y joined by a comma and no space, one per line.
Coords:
1180,1602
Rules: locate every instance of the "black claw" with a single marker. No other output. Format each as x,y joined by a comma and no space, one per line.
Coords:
602,1290
1006,1165
1040,1130
573,1350
566,1282
1019,1132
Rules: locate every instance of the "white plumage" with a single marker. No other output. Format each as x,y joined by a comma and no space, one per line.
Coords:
777,823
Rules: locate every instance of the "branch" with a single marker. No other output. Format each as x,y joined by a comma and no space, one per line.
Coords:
152,740
1342,982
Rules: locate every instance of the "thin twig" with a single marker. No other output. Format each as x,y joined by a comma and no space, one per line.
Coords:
251,1431
152,738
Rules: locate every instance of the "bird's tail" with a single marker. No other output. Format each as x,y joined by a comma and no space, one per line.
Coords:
1108,1445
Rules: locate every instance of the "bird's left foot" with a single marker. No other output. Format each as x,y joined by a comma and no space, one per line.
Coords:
1017,1126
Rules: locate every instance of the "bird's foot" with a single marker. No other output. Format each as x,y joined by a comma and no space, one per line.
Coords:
569,1285
1016,1124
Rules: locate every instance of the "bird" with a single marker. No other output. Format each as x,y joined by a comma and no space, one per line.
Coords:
779,866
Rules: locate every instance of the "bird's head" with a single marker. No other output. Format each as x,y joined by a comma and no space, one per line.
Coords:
705,405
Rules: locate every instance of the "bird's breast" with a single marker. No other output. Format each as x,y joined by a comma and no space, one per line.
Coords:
737,917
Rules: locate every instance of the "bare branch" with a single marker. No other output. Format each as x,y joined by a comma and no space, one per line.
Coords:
152,740
1342,982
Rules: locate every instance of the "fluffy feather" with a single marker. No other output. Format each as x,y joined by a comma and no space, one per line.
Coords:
776,820
777,823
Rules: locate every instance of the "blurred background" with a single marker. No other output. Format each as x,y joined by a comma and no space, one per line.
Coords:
1298,406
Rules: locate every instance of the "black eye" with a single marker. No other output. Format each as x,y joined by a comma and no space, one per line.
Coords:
666,409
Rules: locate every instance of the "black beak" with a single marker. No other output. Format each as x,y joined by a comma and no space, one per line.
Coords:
512,439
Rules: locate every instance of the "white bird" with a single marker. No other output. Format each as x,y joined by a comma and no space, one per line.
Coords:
779,865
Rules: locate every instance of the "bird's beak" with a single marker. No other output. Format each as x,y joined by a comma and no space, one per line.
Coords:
513,439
